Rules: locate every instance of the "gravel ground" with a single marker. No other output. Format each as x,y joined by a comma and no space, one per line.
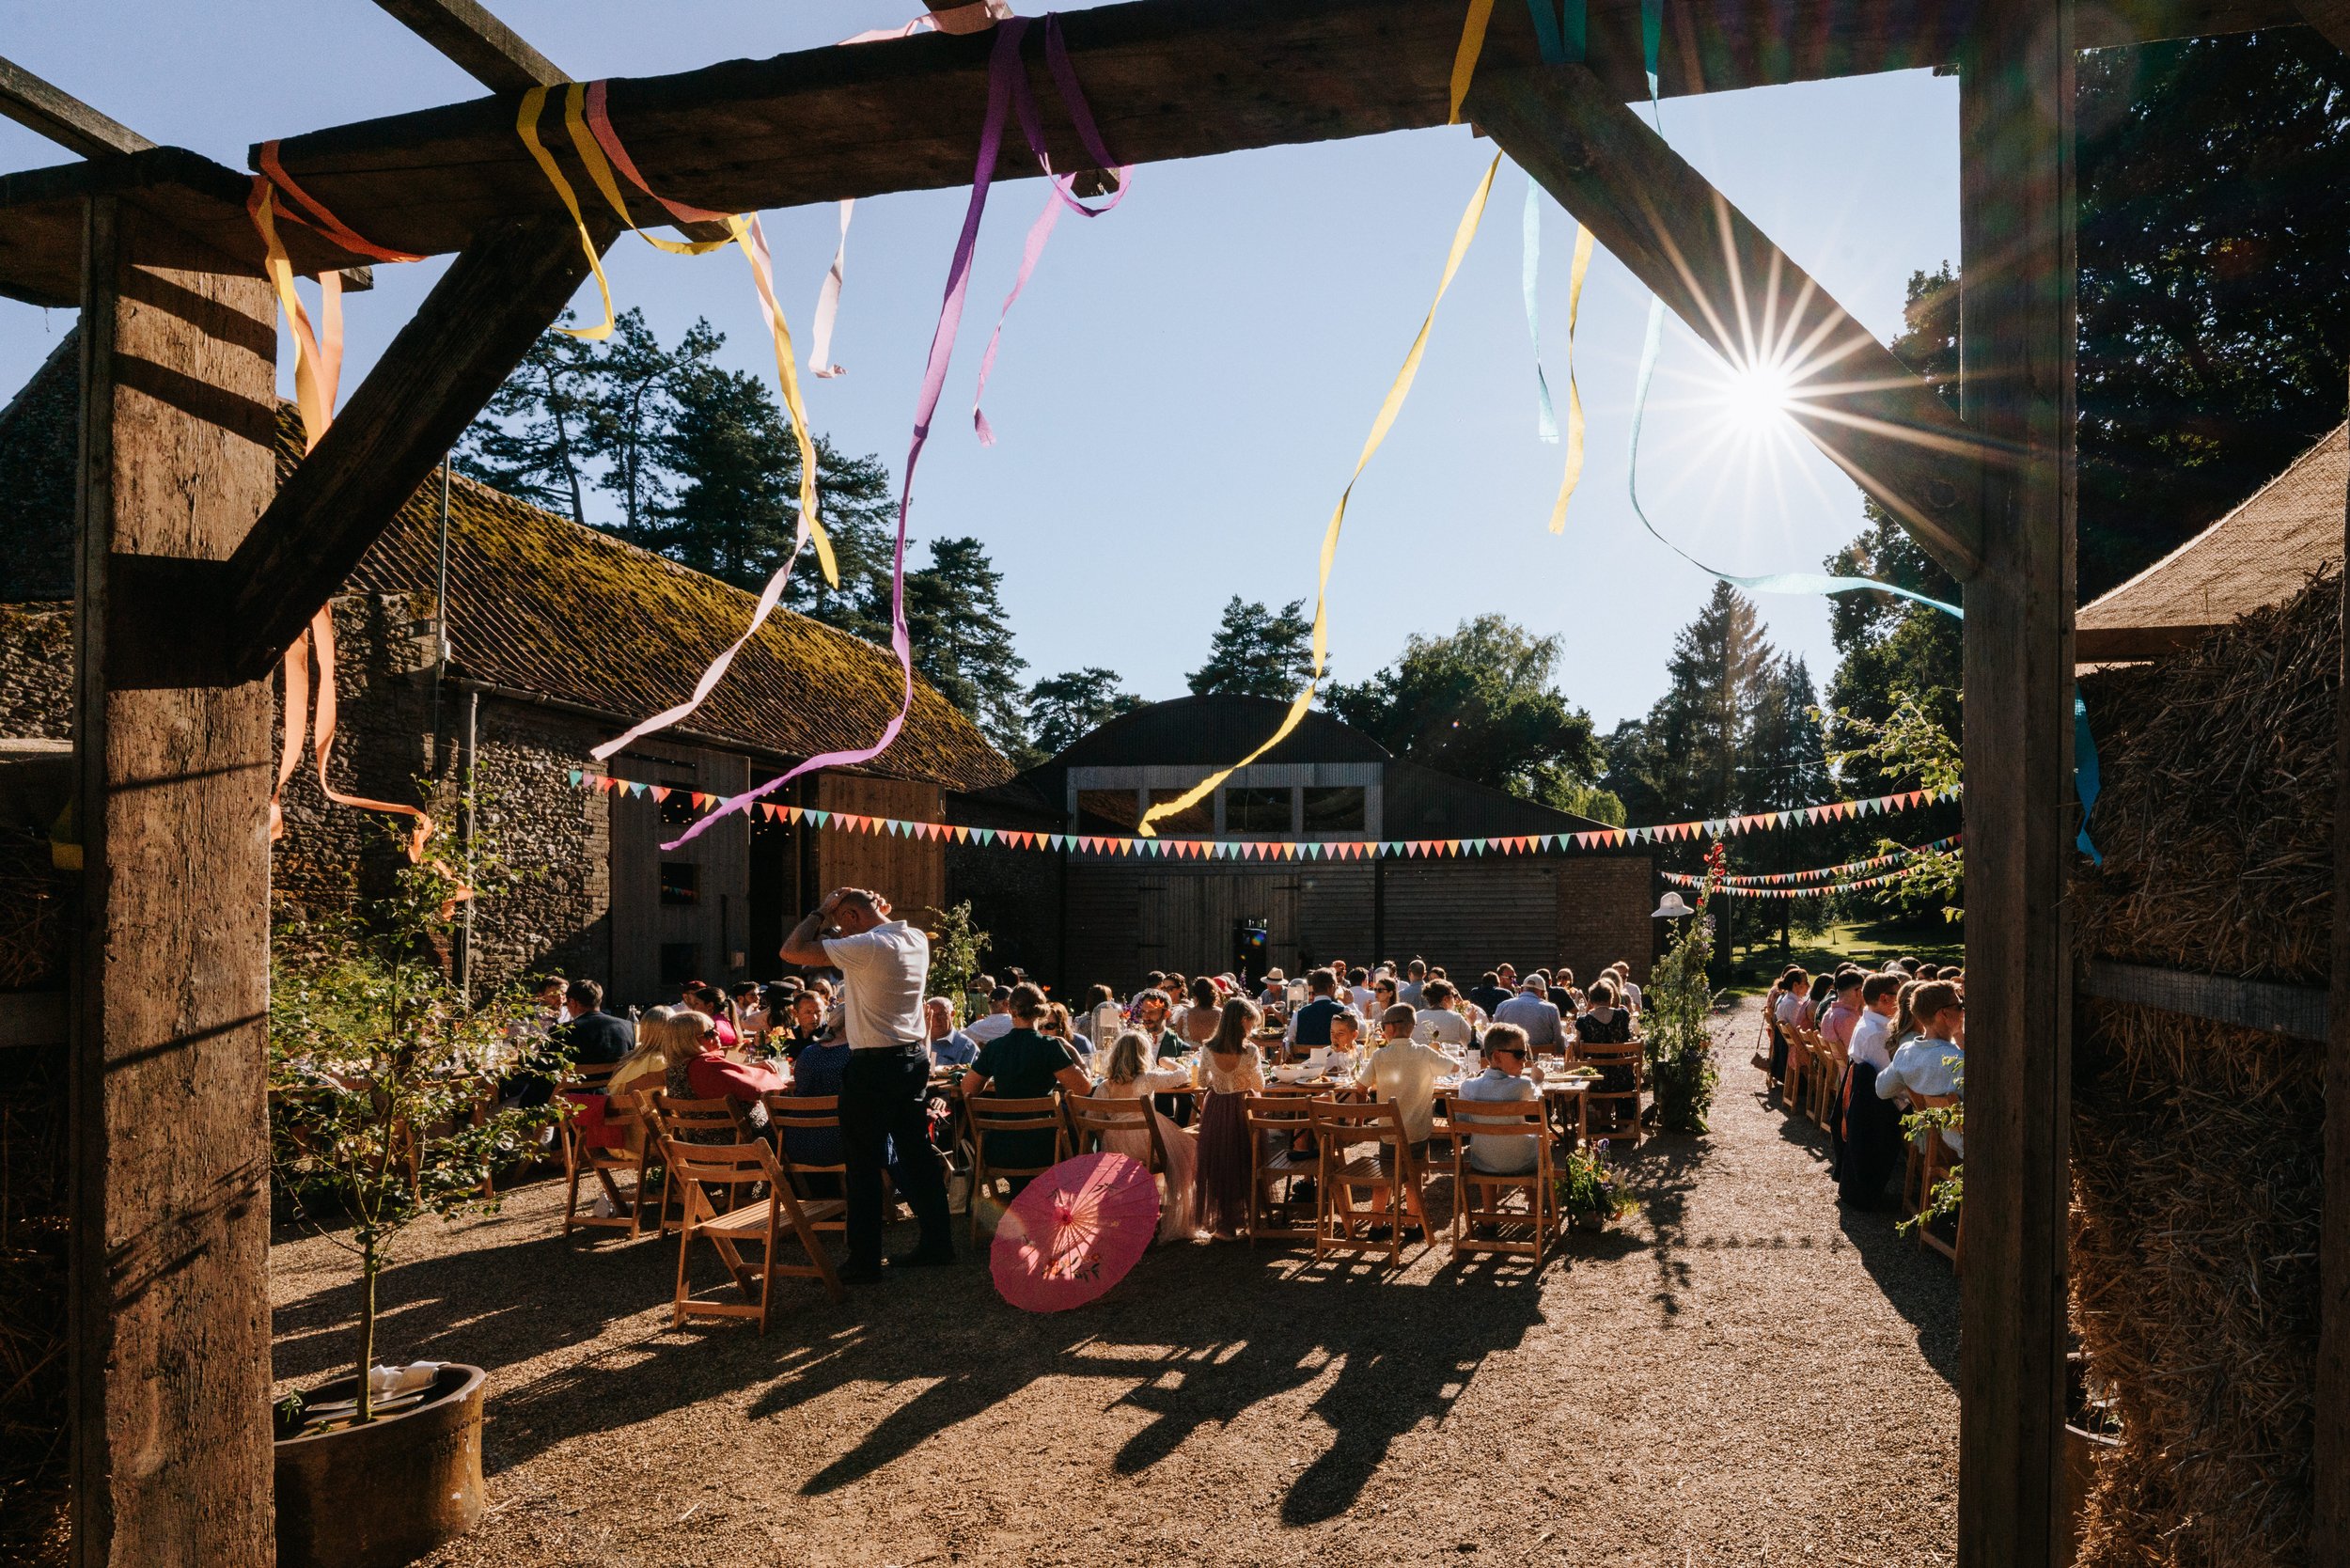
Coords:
1740,1375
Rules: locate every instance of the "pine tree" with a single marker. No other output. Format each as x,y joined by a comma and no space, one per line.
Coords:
1783,764
962,637
633,408
1064,707
534,438
1258,652
1699,723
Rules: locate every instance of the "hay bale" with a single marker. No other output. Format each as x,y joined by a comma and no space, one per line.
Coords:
2198,1147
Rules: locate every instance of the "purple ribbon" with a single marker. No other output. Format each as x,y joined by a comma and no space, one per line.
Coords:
1062,193
1003,67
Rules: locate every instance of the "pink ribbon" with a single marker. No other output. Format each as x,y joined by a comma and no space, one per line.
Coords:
1003,65
1061,193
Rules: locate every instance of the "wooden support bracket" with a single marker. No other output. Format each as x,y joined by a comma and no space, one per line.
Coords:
470,332
2329,17
62,118
1873,416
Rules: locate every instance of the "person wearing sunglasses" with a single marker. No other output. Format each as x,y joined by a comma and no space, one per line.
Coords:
1504,1078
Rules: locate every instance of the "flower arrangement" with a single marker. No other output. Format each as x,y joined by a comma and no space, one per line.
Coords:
1679,1022
1591,1189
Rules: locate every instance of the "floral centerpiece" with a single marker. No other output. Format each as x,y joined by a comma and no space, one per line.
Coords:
1591,1190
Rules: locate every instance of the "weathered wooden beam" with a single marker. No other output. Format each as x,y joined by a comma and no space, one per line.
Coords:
2329,1519
2017,388
62,118
2298,1010
1168,79
2121,644
477,43
169,1284
1868,412
470,331
2331,18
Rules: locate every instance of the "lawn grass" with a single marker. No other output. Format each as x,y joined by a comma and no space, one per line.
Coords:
1755,965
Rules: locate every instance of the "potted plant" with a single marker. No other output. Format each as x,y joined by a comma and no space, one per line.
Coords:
385,1086
1678,1022
1591,1190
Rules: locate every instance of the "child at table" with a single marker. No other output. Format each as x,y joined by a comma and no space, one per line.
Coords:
1229,1070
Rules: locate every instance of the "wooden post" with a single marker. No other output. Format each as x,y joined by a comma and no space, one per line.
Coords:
2330,1524
170,1296
2016,372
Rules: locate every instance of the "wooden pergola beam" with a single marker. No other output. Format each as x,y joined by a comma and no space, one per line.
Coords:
2330,1521
1168,79
470,332
2016,379
2331,18
477,43
42,106
1868,412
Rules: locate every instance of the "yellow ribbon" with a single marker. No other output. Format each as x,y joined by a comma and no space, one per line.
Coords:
740,231
1465,57
526,126
1388,408
1575,397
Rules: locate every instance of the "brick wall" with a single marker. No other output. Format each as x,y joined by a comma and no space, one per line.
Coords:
1604,914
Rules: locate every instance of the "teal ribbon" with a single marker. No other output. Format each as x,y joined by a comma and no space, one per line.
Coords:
1529,267
1559,35
2084,783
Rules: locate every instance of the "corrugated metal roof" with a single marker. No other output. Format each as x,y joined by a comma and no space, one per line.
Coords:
2263,552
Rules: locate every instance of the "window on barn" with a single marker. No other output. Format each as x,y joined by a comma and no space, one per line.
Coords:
678,811
1196,821
1107,810
681,882
1248,810
1335,809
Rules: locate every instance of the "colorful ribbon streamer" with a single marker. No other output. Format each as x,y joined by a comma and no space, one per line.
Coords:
1279,848
1480,14
820,363
1530,273
2085,781
1391,406
1003,64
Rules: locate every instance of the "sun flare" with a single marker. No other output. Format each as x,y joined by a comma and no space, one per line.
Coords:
1756,396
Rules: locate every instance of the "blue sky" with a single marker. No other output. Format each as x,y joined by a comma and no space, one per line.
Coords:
1184,388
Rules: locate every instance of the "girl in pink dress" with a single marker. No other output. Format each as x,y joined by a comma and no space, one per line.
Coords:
1229,1069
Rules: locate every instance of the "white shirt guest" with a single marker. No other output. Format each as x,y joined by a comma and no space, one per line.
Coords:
1502,1153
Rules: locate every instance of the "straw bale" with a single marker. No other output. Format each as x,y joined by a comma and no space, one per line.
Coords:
2197,1147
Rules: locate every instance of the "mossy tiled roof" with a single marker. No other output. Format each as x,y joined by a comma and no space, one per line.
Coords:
541,605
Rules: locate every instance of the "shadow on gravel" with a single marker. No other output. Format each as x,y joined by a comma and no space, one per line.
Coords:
1194,1337
1916,1283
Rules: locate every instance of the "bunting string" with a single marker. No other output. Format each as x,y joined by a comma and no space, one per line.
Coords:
1821,874
714,806
1819,890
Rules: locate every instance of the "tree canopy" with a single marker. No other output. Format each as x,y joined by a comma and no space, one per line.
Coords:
1064,707
1257,652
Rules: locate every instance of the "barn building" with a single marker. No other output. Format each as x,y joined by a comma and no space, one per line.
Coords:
1326,781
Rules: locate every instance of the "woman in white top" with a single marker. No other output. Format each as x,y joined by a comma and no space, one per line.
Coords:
1437,1023
1129,1076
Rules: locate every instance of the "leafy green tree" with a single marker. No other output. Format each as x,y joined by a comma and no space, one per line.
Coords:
2213,288
1782,764
535,439
1480,705
1692,738
632,409
1064,707
1257,652
962,636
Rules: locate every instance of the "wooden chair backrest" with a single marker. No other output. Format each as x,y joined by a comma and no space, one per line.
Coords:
996,1113
1340,1123
587,1077
1494,1118
729,1165
1610,1055
805,1112
1109,1114
1287,1110
675,1117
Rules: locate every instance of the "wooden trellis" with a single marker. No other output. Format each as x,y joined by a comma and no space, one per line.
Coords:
197,570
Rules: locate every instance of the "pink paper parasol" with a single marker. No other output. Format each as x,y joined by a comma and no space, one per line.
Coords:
1074,1232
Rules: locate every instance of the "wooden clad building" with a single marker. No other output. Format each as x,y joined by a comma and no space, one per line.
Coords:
1327,781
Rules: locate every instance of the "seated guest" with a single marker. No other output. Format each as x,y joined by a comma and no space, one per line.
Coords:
1197,1023
998,1021
1605,1023
1310,1026
1104,1020
593,1037
1844,1009
1816,1004
699,1068
1128,1075
1403,1072
1627,994
1345,1034
750,1012
1504,1078
1149,1011
949,1045
1871,1130
641,1069
775,1006
1487,993
1785,1005
817,1071
1056,1023
1024,1063
1532,1013
1438,1023
712,1002
803,1026
1385,994
1275,990
1414,980
1358,992
1934,1062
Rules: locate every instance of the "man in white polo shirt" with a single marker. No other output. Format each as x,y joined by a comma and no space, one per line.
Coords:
883,963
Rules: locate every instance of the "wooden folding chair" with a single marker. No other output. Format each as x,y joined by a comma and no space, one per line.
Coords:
813,1113
694,1169
1614,1113
1827,1075
991,1115
1091,1119
624,1114
1929,1160
1276,1119
715,1123
1482,1199
1389,1174
1799,1072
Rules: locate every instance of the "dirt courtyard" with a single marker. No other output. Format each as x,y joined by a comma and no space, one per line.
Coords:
1743,1374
